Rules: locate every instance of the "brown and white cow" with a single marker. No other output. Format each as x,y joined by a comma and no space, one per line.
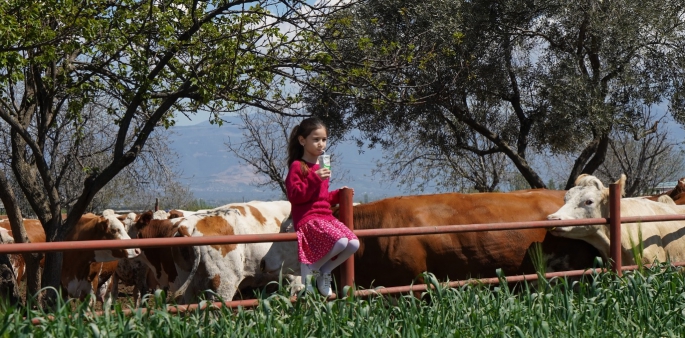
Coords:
661,241
98,272
85,271
35,234
677,194
398,260
223,269
104,274
134,272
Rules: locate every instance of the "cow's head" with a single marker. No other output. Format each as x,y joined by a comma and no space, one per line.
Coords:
588,199
128,221
282,254
678,193
109,227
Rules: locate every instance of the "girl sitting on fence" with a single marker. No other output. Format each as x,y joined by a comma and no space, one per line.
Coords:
323,241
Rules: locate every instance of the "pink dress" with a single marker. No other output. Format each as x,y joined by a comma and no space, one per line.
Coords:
317,229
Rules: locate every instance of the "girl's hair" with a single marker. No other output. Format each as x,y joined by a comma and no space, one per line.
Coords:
295,149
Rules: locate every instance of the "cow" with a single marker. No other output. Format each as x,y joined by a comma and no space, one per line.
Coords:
80,277
135,272
35,234
104,274
661,241
6,281
399,260
98,272
223,269
677,194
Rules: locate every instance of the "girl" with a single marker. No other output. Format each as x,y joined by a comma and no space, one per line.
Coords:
323,241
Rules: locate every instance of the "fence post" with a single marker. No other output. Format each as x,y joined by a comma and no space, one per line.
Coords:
615,227
345,216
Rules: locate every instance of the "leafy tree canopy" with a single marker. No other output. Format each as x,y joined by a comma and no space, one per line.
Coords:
526,76
140,64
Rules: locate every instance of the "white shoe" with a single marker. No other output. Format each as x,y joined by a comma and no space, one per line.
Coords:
307,276
323,283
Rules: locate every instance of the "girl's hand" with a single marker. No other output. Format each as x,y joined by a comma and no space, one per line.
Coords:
346,187
323,173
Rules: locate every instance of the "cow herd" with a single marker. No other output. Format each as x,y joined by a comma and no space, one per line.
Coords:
228,270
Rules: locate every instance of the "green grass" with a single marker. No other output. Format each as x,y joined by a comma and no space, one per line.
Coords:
648,303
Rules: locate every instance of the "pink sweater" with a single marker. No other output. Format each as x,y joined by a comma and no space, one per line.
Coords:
309,195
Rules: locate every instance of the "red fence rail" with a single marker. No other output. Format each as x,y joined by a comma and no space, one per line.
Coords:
345,215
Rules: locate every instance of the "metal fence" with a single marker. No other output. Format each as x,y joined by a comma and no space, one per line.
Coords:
347,273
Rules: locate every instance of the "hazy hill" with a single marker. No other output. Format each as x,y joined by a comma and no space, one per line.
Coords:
216,175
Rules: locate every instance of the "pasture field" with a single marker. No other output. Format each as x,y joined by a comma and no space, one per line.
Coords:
650,303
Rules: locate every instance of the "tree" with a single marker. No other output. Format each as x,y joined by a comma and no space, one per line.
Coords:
646,160
263,147
176,196
76,151
144,63
416,166
545,76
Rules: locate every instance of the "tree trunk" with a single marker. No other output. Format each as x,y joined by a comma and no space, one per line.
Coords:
599,156
33,274
51,279
589,159
31,260
52,272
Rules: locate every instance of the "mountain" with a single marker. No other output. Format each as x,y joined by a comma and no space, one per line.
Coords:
217,176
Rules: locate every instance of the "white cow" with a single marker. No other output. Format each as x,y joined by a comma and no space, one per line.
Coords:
223,269
662,241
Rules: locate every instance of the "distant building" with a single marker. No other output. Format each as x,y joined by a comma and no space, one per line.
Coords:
2,209
664,187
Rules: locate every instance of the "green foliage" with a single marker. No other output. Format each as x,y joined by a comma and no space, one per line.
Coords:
209,55
649,303
197,204
637,248
517,182
538,258
551,185
527,77
116,70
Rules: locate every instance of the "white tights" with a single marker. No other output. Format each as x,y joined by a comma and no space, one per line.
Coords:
343,248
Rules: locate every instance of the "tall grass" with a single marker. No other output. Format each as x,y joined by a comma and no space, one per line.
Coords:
648,303
637,248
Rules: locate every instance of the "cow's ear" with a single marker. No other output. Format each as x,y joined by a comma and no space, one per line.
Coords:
103,224
680,187
144,219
